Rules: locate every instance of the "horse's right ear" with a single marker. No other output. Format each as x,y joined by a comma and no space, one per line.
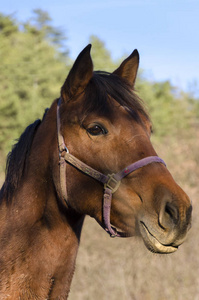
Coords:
79,76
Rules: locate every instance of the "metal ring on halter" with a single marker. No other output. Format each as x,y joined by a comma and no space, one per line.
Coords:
66,149
112,235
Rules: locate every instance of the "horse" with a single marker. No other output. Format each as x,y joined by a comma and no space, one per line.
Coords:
91,154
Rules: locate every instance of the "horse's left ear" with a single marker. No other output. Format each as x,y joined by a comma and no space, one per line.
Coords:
79,76
129,67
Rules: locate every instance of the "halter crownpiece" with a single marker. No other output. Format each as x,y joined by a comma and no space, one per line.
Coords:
111,182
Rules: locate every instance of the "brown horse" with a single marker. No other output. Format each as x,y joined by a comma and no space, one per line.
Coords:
90,155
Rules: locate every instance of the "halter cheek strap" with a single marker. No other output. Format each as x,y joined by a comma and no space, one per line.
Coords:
111,182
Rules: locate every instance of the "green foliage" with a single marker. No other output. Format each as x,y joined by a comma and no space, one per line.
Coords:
40,25
168,109
7,25
31,73
34,64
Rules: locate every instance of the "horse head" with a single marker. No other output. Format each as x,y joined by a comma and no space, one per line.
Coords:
104,126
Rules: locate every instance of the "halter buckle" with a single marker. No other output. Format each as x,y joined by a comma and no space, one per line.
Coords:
112,183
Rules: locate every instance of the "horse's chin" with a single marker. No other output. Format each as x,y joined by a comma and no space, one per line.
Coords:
152,243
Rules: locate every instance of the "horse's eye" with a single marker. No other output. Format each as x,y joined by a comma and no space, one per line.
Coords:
96,130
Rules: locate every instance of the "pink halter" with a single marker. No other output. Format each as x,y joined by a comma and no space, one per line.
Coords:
111,181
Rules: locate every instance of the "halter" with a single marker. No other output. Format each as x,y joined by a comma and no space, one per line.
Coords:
111,182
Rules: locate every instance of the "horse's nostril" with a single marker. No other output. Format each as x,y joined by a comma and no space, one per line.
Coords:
169,215
172,212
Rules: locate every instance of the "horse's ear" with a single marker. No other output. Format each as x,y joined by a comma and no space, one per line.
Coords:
79,76
129,67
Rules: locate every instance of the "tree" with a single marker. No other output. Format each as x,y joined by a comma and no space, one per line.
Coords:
31,73
7,25
40,25
169,111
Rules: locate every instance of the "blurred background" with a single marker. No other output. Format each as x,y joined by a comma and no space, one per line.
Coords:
39,41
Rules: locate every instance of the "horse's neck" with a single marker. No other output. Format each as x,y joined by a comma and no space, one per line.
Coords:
38,242
37,260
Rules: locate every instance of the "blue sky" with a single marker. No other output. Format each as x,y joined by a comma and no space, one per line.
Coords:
165,32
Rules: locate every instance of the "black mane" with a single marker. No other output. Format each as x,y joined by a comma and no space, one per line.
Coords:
16,161
104,85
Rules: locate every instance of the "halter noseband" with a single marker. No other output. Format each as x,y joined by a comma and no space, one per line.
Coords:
111,182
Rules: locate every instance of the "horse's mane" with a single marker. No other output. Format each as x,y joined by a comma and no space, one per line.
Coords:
104,85
16,161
